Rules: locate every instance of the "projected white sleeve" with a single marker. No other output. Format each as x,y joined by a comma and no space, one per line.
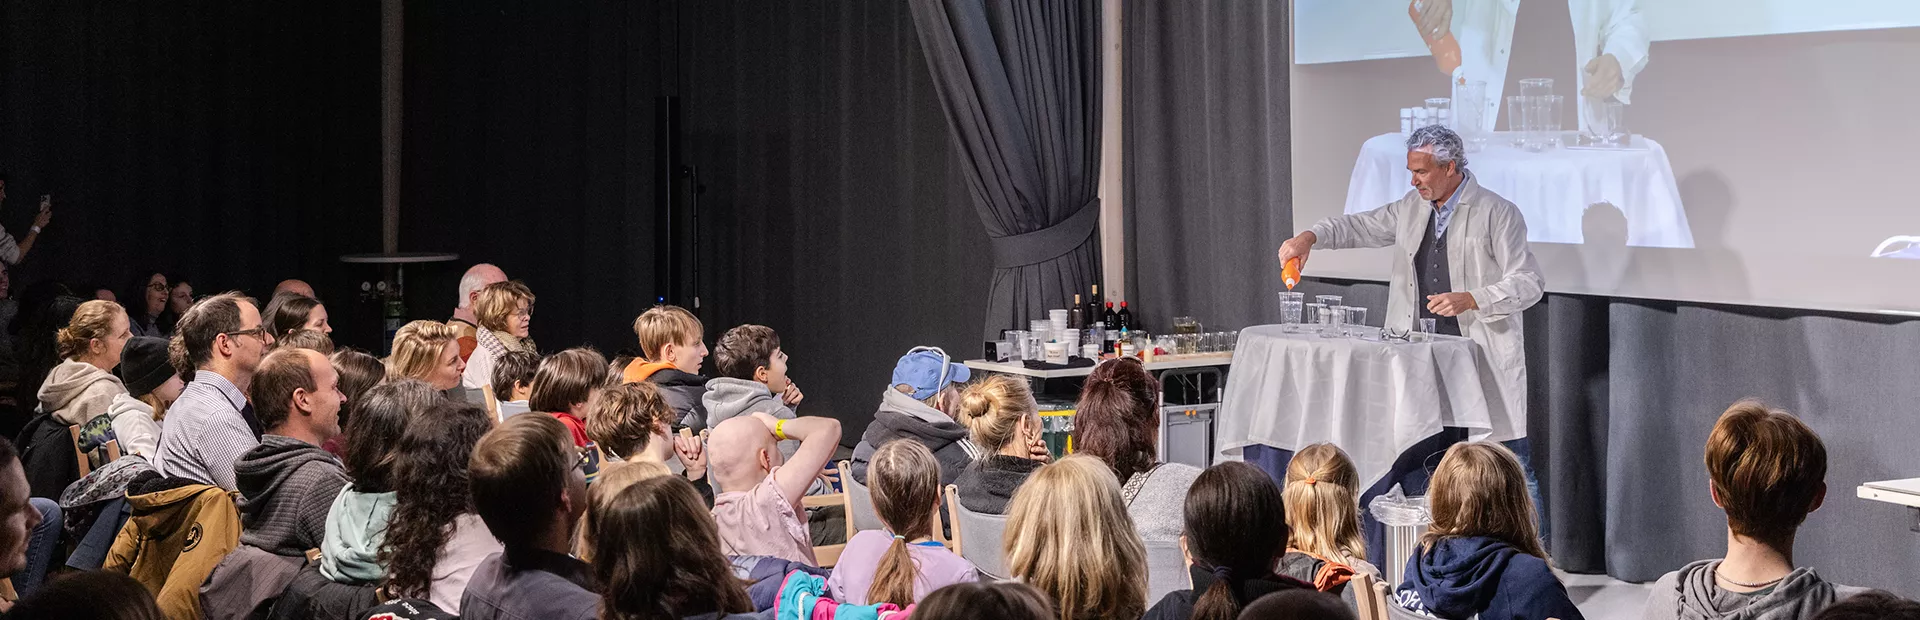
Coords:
1626,37
1519,286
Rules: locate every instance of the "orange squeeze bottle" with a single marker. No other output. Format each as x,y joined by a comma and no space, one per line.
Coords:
1291,272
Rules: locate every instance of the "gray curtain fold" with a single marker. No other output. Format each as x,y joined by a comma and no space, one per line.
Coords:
1019,81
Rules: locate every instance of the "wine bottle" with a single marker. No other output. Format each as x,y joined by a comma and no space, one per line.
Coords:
1075,318
1093,306
1126,317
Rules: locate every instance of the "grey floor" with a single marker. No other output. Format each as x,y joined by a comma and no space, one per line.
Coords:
1604,598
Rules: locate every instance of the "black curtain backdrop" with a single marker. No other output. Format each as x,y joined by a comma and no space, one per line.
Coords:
234,142
834,210
1622,393
1020,83
1208,160
529,144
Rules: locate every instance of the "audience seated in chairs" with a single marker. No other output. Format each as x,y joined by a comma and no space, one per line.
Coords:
1235,531
564,387
918,404
434,540
1482,555
220,340
631,422
1070,536
505,312
1768,471
1118,421
513,381
657,555
758,505
1000,600
75,398
426,350
357,520
528,488
671,352
288,312
1323,514
152,386
1001,418
904,562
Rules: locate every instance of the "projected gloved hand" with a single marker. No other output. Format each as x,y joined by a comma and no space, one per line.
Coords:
1603,77
1435,17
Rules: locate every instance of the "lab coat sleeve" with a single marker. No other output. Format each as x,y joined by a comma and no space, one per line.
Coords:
1369,229
1626,37
1519,286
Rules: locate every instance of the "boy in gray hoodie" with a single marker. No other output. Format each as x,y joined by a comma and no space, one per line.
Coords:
753,379
1768,471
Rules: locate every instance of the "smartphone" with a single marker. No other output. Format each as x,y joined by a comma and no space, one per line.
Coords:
46,201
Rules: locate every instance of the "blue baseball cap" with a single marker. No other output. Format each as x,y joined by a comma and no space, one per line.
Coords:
921,369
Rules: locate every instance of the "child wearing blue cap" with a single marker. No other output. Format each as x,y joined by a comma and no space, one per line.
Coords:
916,405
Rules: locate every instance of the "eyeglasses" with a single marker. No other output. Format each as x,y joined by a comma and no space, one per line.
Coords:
157,287
257,332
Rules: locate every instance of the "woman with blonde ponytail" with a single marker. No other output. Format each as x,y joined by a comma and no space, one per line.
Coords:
1326,548
903,563
1003,420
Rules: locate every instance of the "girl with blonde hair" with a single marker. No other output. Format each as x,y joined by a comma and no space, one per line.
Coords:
1326,548
1002,418
1069,535
1482,555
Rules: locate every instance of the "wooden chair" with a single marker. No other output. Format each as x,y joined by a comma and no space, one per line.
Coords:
493,404
828,555
1370,595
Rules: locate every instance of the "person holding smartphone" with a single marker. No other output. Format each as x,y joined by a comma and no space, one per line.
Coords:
13,251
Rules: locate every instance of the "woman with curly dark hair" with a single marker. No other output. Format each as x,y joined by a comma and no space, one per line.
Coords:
1118,420
657,555
434,539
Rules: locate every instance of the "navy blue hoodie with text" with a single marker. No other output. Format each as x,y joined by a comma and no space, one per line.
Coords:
1464,576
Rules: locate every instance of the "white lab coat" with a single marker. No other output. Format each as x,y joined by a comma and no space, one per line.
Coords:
1484,29
1487,255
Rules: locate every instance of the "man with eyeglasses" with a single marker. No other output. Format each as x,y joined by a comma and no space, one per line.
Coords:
211,425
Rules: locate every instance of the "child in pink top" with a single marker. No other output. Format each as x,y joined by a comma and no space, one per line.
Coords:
758,503
904,563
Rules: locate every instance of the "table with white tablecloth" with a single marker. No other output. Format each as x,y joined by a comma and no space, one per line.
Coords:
1374,399
1553,188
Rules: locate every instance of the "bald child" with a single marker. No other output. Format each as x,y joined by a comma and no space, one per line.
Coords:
758,505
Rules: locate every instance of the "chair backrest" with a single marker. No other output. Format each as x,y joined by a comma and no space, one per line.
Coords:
1371,601
493,408
860,514
977,536
1166,569
81,456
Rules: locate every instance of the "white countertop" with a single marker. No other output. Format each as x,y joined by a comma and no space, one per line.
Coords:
1163,362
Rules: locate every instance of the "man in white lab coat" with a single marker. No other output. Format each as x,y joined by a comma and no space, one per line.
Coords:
1466,264
1610,41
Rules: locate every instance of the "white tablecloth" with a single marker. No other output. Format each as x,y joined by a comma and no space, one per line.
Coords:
1553,188
1373,399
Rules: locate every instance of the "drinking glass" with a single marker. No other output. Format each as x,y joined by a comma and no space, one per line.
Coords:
1290,305
1469,108
1002,351
1550,122
1519,119
1356,321
1336,324
1427,326
1186,325
1536,87
1327,300
1313,315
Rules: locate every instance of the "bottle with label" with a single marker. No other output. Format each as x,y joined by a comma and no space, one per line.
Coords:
1126,317
1093,307
1111,319
1075,315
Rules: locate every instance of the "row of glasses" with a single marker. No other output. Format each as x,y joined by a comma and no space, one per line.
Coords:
1534,121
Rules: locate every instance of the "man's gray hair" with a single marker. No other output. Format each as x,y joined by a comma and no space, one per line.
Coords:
1443,143
471,282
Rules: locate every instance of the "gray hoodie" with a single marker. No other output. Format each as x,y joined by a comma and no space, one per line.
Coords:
75,392
133,425
729,398
1691,594
902,417
286,487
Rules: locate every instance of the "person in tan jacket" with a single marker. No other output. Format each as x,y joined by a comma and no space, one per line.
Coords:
178,532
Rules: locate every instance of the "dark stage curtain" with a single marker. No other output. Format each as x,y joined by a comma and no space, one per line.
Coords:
1208,159
529,143
832,209
234,143
1020,83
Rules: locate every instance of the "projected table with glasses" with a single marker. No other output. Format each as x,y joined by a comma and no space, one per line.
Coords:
1553,188
1374,398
